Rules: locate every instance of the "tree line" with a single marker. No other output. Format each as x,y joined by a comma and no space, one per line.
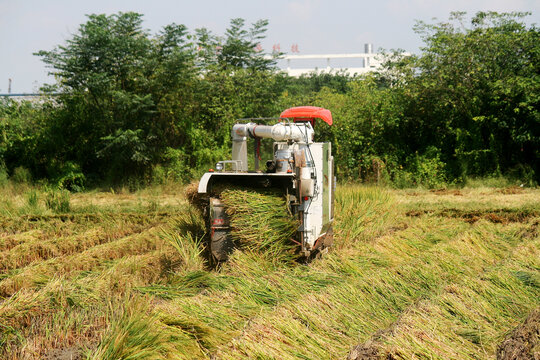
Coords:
141,107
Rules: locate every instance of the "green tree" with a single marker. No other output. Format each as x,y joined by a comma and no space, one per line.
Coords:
22,126
130,99
239,81
473,93
119,85
239,49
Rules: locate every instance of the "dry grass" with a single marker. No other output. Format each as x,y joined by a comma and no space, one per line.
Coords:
39,249
261,222
96,257
413,274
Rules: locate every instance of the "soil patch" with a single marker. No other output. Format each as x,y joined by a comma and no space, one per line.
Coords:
531,232
497,216
364,352
524,341
371,349
446,192
511,190
71,353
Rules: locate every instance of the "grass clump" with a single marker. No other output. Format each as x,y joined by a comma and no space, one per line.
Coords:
58,201
32,198
261,221
360,212
134,335
31,205
189,249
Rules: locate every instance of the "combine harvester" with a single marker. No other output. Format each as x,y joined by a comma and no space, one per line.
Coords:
301,169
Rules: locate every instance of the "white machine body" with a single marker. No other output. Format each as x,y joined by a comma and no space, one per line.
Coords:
303,168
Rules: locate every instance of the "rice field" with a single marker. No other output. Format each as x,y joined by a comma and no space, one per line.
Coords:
413,274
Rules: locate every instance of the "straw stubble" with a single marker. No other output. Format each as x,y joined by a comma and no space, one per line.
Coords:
261,221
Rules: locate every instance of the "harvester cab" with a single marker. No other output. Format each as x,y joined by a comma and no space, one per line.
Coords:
301,168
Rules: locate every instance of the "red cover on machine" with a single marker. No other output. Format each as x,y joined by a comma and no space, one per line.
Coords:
308,112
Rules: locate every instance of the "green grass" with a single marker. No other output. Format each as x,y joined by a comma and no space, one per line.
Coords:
413,274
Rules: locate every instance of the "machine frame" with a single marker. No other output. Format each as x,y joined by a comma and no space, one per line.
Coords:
301,168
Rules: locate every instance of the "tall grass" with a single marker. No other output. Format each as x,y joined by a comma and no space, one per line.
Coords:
374,293
39,248
361,212
58,201
189,249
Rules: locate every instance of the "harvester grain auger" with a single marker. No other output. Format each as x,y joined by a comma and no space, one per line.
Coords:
301,169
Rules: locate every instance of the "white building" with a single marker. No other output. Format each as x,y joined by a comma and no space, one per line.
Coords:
355,63
296,64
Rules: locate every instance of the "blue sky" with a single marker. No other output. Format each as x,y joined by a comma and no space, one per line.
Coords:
317,26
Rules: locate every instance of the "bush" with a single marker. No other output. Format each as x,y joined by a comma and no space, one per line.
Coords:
21,175
175,166
71,178
159,175
490,181
403,179
427,169
523,174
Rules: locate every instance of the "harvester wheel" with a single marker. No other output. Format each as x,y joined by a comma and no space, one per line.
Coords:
221,244
326,242
329,238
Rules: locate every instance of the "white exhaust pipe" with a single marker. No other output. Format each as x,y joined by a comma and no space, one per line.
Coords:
302,132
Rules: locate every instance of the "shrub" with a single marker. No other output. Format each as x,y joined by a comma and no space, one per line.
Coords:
159,175
175,166
67,176
403,179
428,169
21,175
523,174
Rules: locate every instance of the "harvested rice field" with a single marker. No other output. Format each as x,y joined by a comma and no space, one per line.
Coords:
413,274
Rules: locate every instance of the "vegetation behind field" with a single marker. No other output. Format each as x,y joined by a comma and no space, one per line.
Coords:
133,107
